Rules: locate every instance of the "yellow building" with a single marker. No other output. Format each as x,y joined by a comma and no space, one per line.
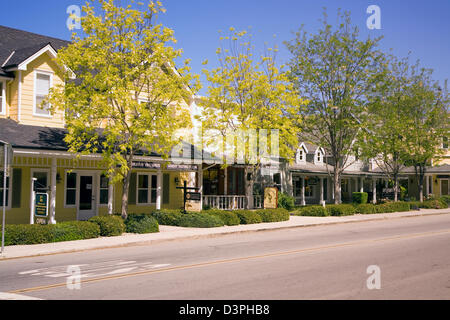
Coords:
77,189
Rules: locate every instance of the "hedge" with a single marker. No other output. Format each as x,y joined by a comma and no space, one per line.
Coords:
141,223
360,197
199,220
315,211
388,207
340,209
273,215
21,234
167,217
445,199
285,201
109,225
229,218
366,208
248,217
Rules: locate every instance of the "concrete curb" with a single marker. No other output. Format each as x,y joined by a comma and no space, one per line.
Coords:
390,216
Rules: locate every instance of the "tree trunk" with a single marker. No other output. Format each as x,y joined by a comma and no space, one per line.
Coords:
337,186
421,175
125,190
395,187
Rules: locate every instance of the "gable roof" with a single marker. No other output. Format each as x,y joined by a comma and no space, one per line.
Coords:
17,45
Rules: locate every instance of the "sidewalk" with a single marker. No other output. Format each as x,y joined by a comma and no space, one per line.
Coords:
168,233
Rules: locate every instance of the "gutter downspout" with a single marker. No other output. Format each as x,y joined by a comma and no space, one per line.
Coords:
19,98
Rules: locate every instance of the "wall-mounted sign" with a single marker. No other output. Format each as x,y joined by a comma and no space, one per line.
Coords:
443,176
270,198
145,165
182,167
41,205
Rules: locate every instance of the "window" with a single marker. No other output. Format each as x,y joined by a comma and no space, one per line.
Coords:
319,156
146,187
43,82
104,189
300,155
2,190
445,142
41,183
2,97
309,189
71,188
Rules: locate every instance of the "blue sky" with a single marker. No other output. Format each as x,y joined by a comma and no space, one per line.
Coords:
422,27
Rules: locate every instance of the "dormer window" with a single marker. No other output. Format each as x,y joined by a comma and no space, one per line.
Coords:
2,97
319,157
300,155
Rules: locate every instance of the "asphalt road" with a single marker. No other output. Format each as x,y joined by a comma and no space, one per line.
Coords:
326,262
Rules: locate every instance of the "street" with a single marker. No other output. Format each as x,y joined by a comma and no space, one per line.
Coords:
323,262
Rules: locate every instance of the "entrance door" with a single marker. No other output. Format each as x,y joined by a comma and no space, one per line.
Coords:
86,203
444,187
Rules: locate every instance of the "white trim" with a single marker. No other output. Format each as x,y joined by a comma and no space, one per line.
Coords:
149,188
48,48
87,173
9,188
99,176
70,206
302,145
19,97
3,95
50,74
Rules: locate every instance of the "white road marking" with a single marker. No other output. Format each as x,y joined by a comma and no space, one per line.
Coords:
14,296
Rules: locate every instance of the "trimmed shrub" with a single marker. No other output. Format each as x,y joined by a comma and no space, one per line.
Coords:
21,234
74,230
273,215
167,217
360,197
366,208
141,223
434,204
285,201
389,207
340,209
229,218
415,205
445,199
109,225
248,217
315,211
199,220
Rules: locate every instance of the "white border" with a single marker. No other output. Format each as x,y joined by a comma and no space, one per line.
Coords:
3,94
48,73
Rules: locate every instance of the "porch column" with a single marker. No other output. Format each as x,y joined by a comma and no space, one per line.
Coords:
110,197
303,192
361,184
200,183
321,192
158,189
225,181
52,208
332,189
374,190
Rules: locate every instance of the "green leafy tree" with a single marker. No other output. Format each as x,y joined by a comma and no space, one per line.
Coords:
427,106
386,129
246,94
335,70
122,94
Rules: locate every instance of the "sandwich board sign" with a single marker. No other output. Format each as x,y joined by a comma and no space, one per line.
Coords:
41,205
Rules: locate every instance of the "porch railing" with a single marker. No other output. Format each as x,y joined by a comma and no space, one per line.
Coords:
230,202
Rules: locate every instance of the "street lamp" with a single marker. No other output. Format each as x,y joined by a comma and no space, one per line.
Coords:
7,156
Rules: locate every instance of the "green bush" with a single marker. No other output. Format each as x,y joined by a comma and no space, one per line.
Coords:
366,208
141,223
21,234
388,207
248,217
415,205
315,211
229,218
285,201
273,215
340,209
167,217
360,197
434,204
199,220
445,199
109,225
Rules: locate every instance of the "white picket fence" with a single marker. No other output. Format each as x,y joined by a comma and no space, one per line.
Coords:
230,202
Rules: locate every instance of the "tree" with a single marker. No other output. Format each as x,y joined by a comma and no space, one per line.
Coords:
387,130
246,95
335,71
427,106
122,92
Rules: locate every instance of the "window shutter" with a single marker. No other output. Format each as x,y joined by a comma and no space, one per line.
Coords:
132,189
16,188
166,188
